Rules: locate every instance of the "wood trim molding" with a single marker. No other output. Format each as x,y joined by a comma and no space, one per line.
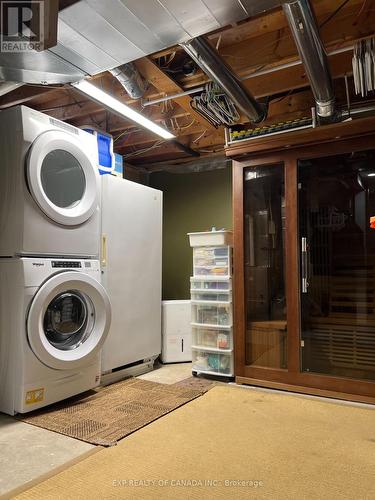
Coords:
238,274
305,390
301,138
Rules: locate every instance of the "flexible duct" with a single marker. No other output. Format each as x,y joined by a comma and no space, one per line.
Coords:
130,79
305,31
208,59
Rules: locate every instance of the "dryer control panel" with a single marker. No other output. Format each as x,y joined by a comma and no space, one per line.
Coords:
36,270
66,263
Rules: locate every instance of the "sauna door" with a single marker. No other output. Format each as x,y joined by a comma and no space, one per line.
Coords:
336,200
264,247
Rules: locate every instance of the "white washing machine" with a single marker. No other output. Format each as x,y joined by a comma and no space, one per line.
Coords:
54,318
49,187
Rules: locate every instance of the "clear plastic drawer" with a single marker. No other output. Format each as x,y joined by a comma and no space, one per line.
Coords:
212,261
215,314
211,337
211,270
213,362
221,296
211,252
210,284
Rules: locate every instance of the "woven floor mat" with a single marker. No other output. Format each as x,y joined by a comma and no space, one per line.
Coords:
113,412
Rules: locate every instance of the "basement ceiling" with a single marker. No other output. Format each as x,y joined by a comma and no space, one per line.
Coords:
259,49
96,35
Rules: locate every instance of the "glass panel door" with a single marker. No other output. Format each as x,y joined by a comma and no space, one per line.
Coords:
337,265
265,297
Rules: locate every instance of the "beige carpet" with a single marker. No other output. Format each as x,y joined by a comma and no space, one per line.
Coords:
112,413
280,446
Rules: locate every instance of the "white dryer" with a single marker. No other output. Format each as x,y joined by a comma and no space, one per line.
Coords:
54,318
49,187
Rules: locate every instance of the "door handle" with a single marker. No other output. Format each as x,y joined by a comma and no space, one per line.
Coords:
104,250
304,265
250,228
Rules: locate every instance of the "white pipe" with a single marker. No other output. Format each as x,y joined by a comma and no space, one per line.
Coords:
297,62
173,96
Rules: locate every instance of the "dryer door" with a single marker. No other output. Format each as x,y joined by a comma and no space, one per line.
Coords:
68,320
62,178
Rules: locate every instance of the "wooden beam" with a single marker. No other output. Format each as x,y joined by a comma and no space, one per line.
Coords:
161,81
211,140
277,47
295,105
138,137
22,95
294,77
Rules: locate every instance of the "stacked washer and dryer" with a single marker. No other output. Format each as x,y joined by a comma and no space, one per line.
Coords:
54,313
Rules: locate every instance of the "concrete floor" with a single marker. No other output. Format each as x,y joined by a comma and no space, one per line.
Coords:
169,374
27,452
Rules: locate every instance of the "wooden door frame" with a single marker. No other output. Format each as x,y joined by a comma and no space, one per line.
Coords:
291,378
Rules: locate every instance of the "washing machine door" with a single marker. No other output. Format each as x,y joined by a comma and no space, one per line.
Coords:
68,320
62,178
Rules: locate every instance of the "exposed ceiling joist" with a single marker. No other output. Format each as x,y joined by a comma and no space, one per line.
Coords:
262,43
161,81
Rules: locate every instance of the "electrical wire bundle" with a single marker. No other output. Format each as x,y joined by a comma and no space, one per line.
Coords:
364,67
215,106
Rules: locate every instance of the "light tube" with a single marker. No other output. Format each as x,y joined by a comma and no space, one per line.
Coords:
119,108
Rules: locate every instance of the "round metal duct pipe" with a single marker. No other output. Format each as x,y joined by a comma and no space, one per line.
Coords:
305,31
208,59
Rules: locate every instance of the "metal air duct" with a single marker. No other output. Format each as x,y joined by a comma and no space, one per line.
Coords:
130,79
216,68
305,31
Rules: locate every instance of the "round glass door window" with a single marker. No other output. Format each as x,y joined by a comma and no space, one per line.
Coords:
63,178
68,320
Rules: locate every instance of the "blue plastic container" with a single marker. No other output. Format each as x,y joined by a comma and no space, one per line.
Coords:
119,167
105,151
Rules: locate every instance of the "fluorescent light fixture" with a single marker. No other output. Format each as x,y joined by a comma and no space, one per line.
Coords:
371,175
120,108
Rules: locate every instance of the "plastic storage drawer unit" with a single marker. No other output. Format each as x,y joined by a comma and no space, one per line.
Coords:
211,304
